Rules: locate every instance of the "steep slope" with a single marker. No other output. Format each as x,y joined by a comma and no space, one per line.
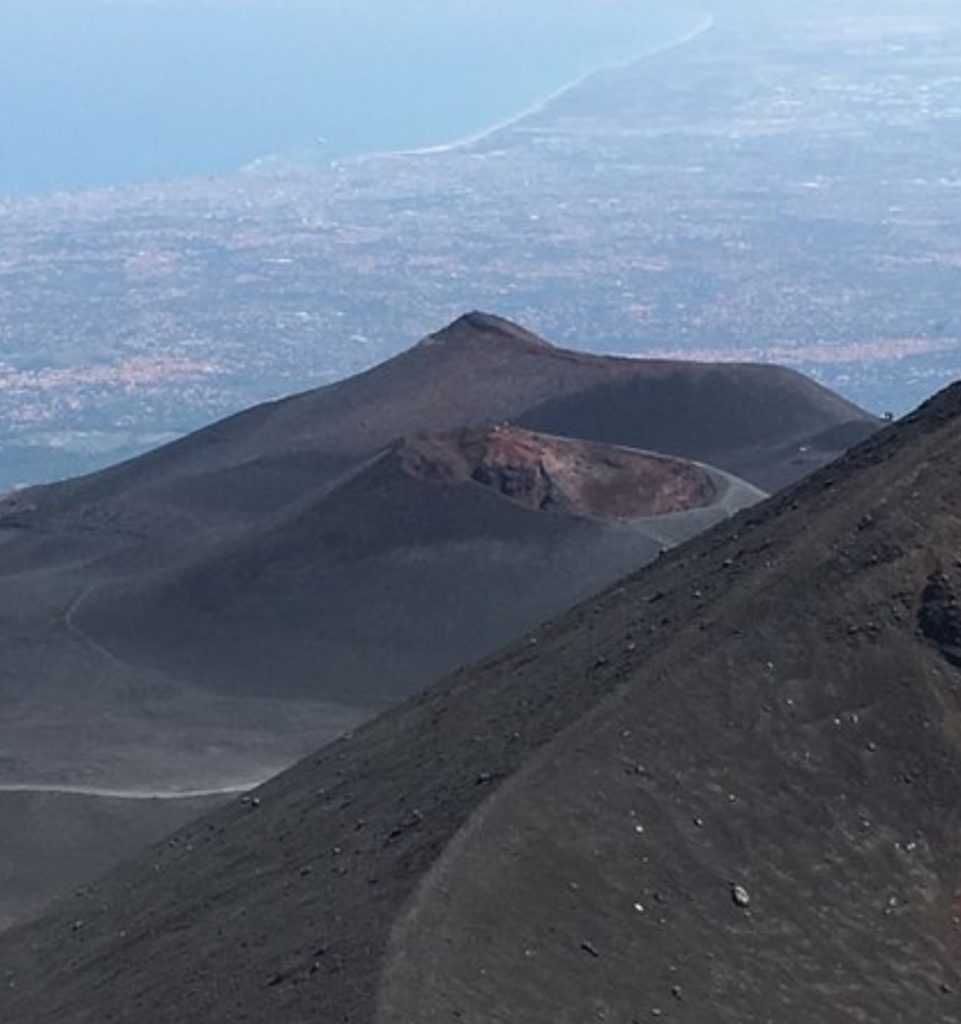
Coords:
53,841
227,663
208,613
441,549
765,418
725,791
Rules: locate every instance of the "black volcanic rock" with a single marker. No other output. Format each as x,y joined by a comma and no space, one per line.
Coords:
940,615
724,790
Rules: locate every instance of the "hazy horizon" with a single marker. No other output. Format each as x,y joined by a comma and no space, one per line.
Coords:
778,190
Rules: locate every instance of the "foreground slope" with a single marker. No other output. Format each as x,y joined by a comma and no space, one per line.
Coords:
724,791
53,840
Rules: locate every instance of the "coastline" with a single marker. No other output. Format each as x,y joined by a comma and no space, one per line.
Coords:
705,25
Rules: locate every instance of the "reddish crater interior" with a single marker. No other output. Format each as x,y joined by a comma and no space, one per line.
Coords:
553,473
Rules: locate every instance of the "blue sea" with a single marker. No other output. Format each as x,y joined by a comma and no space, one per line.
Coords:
108,92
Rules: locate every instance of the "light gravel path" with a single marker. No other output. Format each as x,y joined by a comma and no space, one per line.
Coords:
69,620
128,794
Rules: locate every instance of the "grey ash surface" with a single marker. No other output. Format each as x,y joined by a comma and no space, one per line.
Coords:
206,614
563,832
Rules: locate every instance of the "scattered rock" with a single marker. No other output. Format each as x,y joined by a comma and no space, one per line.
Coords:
740,896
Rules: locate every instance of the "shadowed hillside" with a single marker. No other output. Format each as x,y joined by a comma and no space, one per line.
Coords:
204,615
435,553
750,420
726,790
52,841
194,590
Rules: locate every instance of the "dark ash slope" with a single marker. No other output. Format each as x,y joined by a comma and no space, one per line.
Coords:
210,612
417,564
557,835
238,560
750,420
53,841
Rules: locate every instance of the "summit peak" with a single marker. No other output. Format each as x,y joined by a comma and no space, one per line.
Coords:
486,327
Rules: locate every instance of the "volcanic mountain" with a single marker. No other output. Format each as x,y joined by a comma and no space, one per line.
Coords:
439,550
150,587
725,790
198,618
766,424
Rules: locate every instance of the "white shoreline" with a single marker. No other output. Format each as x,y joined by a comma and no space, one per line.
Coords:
707,22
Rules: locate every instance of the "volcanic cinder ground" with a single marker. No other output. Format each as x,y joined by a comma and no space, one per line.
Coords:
725,790
197,619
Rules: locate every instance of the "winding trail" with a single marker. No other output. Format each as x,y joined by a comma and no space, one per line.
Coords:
69,620
129,794
130,671
103,792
